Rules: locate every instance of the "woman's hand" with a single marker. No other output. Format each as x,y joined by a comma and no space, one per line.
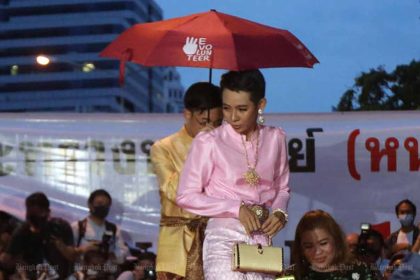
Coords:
248,219
273,225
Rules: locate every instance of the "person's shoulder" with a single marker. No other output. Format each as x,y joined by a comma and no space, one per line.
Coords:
165,140
59,222
22,229
393,235
273,131
208,136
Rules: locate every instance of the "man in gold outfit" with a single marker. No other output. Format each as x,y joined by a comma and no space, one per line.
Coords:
179,253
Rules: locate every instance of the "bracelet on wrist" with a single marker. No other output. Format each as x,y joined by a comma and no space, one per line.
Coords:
282,215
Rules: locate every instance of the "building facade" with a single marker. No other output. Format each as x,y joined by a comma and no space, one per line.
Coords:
72,33
173,91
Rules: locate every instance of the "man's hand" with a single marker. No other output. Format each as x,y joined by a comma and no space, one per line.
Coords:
91,245
249,220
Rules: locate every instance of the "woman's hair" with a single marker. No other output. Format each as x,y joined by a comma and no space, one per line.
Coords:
251,81
318,219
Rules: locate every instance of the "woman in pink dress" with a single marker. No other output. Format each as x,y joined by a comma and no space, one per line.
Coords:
234,174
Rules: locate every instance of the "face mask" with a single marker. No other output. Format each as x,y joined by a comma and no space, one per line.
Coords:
37,221
100,211
406,220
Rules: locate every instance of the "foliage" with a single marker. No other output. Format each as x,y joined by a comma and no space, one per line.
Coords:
380,90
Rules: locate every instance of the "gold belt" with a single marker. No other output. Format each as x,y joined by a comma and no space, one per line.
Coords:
194,270
191,223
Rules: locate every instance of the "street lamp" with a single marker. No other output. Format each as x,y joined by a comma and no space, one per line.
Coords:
44,60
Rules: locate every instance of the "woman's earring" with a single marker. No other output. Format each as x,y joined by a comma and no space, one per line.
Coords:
260,119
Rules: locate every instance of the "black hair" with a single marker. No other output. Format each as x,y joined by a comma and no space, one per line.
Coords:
8,223
251,81
99,192
147,256
93,254
202,96
375,234
409,202
38,199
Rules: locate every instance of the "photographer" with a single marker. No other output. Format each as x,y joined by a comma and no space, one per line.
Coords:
371,250
42,247
96,233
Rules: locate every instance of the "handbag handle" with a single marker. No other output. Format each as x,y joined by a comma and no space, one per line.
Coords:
260,249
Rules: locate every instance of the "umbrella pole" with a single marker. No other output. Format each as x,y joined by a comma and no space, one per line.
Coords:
210,74
208,110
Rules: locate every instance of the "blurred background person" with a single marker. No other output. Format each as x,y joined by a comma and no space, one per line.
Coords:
93,267
408,269
371,250
142,268
42,245
407,234
393,264
352,240
95,232
8,224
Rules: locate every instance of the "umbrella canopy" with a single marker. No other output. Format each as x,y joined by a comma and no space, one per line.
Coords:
211,40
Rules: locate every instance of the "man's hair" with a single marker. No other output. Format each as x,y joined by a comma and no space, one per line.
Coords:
38,199
202,96
99,192
409,202
251,81
371,233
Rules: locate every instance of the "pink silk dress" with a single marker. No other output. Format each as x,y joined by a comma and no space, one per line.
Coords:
212,185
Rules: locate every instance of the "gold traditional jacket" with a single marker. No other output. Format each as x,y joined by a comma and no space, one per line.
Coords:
168,156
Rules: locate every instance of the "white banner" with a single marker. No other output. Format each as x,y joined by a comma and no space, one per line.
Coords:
356,166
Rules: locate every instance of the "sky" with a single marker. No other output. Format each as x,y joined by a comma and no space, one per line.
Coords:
348,38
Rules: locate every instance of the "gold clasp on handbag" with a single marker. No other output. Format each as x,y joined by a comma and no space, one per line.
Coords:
260,249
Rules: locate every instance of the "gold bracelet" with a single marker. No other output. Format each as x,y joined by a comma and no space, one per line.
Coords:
284,217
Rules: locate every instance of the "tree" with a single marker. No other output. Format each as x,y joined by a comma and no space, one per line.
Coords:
379,90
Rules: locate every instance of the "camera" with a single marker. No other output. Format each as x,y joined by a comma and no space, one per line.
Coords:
105,242
149,273
364,227
362,246
146,260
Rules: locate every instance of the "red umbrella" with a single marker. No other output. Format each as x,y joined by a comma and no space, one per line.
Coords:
211,40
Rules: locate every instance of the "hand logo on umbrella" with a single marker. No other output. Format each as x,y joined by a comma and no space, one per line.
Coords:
190,46
197,49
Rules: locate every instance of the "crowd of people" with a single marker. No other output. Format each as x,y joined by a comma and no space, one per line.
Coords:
46,247
223,180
